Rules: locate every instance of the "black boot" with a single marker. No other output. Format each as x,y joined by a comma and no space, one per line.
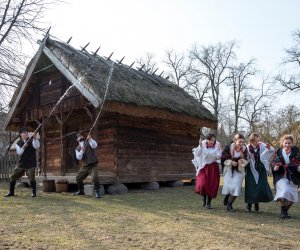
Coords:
287,216
209,203
33,188
11,191
256,205
248,207
97,191
80,189
226,199
204,200
282,213
230,207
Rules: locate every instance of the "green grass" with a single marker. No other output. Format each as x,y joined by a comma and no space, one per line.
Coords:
170,218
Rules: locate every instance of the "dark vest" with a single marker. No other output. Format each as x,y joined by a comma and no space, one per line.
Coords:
89,156
28,158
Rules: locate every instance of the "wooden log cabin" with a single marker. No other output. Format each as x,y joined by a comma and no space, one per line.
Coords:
146,131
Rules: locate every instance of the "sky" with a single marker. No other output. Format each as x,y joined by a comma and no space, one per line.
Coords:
132,28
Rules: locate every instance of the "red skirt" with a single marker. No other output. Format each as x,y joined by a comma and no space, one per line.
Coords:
208,180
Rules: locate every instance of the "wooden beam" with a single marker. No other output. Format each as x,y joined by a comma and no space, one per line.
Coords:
108,58
58,64
141,67
154,71
161,73
43,149
131,65
82,49
69,40
88,112
120,62
95,53
58,120
25,82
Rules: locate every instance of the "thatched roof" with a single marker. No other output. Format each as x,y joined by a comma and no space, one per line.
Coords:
89,73
127,85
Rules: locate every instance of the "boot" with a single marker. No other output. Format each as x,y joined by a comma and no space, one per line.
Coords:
204,200
256,205
33,188
97,191
80,189
11,191
229,207
286,212
230,202
282,213
209,203
226,199
248,207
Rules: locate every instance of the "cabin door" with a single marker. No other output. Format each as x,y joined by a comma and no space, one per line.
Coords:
70,162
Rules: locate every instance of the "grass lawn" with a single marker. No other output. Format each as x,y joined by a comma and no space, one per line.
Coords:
170,218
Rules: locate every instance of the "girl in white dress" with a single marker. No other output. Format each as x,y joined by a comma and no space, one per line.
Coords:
286,174
234,158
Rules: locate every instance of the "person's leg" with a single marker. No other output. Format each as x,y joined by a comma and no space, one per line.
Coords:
95,177
256,205
31,177
282,212
82,174
209,202
230,202
16,174
248,207
287,216
226,199
204,200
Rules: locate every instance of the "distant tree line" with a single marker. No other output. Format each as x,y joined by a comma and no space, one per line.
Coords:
237,93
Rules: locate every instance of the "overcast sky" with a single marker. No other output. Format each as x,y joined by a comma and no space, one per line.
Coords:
133,27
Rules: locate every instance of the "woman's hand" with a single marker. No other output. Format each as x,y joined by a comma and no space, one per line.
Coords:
298,168
276,168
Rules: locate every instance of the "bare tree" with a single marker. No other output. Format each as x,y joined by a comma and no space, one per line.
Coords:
147,63
179,66
239,84
291,81
273,125
258,104
20,24
211,64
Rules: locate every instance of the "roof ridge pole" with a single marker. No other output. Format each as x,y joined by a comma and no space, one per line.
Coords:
95,53
141,67
108,58
154,71
69,40
120,62
83,48
131,64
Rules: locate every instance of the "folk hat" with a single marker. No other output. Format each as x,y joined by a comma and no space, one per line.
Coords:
79,136
22,130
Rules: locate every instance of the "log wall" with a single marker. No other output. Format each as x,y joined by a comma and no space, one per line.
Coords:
154,149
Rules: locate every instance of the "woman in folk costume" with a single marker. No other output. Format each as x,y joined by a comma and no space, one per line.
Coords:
234,157
286,174
257,188
207,168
